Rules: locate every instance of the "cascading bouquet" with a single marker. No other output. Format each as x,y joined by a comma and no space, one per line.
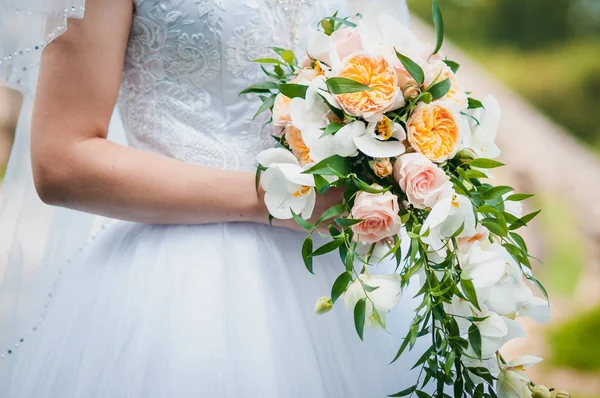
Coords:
371,110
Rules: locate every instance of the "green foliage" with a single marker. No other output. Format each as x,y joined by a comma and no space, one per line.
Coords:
574,344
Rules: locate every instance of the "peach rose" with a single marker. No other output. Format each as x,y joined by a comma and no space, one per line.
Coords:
382,167
293,136
281,111
380,215
376,73
440,71
434,130
423,181
346,41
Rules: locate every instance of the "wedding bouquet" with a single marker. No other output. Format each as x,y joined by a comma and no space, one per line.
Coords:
373,111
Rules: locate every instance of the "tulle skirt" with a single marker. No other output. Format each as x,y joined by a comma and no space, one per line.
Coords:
222,310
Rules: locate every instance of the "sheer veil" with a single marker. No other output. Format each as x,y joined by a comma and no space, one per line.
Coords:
38,242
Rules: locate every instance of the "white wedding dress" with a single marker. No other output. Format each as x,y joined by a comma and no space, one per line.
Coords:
222,310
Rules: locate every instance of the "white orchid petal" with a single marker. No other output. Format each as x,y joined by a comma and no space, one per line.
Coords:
371,146
309,207
293,173
276,155
319,46
524,361
276,204
344,138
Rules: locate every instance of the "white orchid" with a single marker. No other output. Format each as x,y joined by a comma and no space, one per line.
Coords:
512,381
383,299
377,139
496,277
310,117
376,252
536,308
286,188
484,124
495,331
446,217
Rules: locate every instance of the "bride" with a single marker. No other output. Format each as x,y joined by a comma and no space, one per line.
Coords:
186,291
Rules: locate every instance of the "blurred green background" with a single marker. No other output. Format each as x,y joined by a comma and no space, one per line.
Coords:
548,52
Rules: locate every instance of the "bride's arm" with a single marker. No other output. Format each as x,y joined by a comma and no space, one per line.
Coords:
76,167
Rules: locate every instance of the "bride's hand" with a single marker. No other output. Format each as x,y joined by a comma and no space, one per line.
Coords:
331,198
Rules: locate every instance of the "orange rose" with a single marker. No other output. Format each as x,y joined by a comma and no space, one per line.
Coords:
434,130
376,73
281,111
293,136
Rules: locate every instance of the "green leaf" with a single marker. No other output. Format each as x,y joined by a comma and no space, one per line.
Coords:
359,316
475,340
483,163
333,211
327,27
259,169
519,240
475,174
440,89
469,291
523,221
438,22
328,247
302,222
494,226
454,66
422,394
340,285
496,192
293,90
321,184
404,393
474,104
268,61
413,68
402,348
539,285
342,85
363,186
341,20
267,104
517,197
263,87
333,165
347,222
307,247
332,128
287,55
279,71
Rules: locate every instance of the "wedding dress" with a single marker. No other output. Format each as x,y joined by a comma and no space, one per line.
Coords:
223,310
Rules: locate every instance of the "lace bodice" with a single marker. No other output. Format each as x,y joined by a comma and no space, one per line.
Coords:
187,61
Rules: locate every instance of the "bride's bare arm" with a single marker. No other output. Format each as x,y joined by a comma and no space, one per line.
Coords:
76,167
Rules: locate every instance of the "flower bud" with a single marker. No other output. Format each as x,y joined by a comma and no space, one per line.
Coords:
382,167
562,394
323,305
540,391
466,154
411,92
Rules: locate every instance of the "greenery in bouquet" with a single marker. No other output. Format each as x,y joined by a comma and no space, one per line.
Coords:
374,112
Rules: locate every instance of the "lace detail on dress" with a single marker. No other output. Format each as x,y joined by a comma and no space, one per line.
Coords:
187,61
